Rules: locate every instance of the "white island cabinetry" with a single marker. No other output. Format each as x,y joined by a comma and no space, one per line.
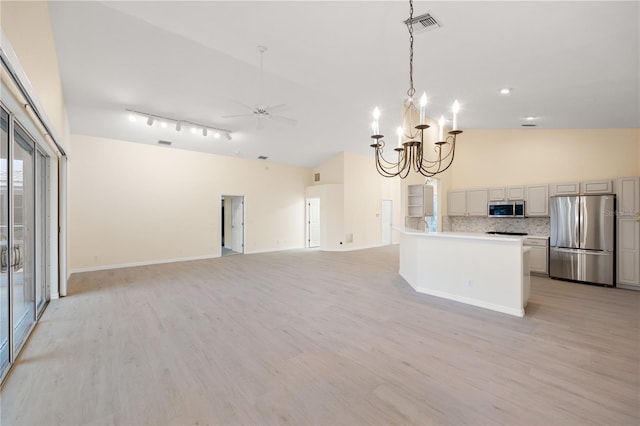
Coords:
487,271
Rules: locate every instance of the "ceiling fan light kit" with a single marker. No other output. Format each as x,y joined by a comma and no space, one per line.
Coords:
410,148
195,127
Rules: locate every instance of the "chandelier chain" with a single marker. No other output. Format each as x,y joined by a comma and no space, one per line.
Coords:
411,90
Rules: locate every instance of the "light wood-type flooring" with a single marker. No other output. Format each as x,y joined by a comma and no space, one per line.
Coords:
317,338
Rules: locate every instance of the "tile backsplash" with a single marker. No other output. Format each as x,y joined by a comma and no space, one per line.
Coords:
538,226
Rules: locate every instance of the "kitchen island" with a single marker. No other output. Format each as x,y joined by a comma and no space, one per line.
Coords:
488,271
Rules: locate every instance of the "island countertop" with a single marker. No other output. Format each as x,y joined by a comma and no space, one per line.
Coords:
469,235
490,271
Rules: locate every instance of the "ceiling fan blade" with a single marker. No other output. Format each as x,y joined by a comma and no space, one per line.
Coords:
277,108
289,121
237,115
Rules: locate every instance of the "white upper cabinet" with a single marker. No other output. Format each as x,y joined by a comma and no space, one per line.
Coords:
497,194
506,193
566,188
596,187
477,202
419,200
467,203
628,200
457,203
537,200
515,192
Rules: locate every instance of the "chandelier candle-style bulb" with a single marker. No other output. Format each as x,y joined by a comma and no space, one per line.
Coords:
399,131
455,108
376,123
441,128
423,107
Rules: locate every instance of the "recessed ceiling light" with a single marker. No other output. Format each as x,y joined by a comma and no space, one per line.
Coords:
505,91
530,118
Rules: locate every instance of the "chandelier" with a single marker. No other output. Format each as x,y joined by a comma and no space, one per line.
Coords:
411,145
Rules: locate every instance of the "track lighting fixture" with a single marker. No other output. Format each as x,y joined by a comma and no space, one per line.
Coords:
164,123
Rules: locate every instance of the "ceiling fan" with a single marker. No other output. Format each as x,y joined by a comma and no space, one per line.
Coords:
261,110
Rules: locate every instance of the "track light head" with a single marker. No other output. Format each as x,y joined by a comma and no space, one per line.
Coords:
178,126
204,132
150,121
228,136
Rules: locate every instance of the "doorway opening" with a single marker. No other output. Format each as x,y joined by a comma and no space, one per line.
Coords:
313,222
386,222
232,220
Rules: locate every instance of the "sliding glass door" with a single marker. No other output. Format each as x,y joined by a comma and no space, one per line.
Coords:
24,234
22,248
42,280
4,240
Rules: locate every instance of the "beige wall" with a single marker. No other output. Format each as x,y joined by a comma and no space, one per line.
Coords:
28,27
486,158
135,203
364,190
351,203
331,214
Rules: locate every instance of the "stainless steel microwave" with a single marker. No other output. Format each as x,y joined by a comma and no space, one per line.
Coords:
506,209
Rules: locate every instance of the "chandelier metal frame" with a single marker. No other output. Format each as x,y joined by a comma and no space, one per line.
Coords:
411,155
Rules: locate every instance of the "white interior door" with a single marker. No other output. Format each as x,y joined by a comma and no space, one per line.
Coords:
313,222
386,220
237,224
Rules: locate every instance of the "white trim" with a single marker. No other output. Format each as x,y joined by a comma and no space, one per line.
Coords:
273,250
628,286
370,246
143,263
469,301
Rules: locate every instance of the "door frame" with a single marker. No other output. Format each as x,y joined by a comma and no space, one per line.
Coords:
231,198
308,222
382,230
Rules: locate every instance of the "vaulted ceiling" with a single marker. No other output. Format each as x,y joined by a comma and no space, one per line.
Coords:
571,64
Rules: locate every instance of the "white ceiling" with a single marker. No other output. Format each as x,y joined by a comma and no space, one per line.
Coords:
571,64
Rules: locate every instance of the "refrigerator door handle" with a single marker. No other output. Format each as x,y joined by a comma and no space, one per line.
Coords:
581,251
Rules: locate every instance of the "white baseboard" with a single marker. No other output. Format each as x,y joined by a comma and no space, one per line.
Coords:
358,247
143,263
474,302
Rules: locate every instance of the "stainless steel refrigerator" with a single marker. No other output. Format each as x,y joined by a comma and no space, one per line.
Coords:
582,246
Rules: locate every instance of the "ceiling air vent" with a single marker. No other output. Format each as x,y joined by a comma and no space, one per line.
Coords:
262,157
422,23
166,143
528,125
